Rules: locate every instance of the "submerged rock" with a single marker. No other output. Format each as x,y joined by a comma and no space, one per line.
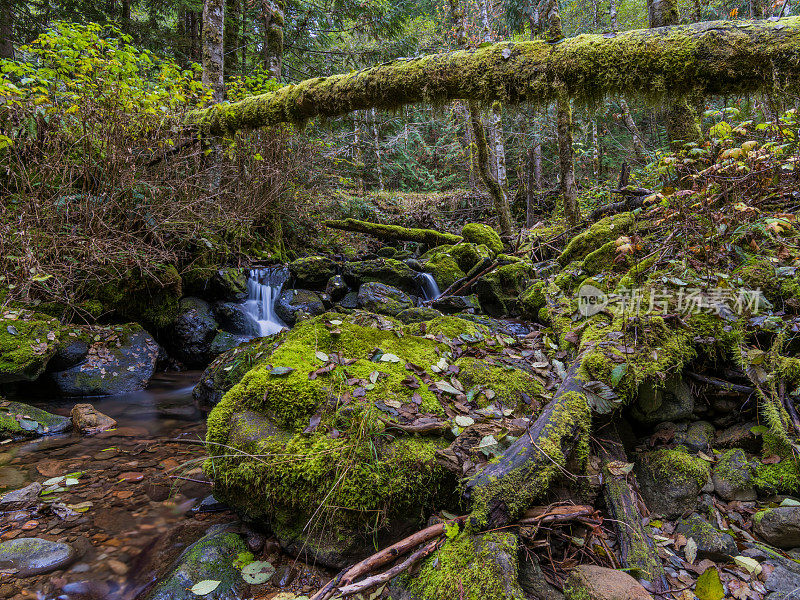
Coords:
211,557
34,556
86,419
383,299
121,359
21,497
22,420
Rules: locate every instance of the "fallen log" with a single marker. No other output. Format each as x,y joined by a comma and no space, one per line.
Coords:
431,237
523,473
711,58
637,551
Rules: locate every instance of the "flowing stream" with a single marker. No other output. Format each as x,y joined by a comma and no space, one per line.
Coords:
263,289
430,290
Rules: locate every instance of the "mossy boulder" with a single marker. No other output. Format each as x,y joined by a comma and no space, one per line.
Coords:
595,237
671,400
480,233
28,340
471,567
456,304
336,288
212,557
35,556
757,273
312,272
321,446
532,300
734,477
510,387
192,332
149,298
19,420
779,526
234,318
120,359
384,299
467,255
445,270
418,314
670,480
499,291
382,270
296,305
711,542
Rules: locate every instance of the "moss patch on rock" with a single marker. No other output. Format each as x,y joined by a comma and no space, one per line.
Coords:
28,340
480,233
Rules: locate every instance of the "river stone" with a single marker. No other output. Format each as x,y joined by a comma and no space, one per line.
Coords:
21,497
590,582
225,341
33,556
783,582
779,526
121,361
499,290
711,542
211,557
672,401
454,304
671,480
69,354
28,340
418,314
312,272
296,305
383,270
233,317
87,419
336,288
228,284
23,420
11,478
349,301
383,299
193,330
733,477
697,437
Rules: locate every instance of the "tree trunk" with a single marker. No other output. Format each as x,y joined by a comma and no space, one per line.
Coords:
595,150
358,154
126,11
378,154
272,44
639,151
713,58
7,29
213,48
496,191
498,143
534,168
232,9
431,237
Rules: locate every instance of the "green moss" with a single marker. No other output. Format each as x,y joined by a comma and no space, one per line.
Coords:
450,328
679,464
532,300
601,259
28,340
468,255
604,231
634,275
758,273
466,568
312,271
479,233
499,291
513,388
445,270
429,237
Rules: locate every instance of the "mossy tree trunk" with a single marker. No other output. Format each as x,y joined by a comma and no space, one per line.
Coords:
272,44
213,47
719,57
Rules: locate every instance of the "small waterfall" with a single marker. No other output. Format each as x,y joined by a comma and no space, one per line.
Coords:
263,288
430,291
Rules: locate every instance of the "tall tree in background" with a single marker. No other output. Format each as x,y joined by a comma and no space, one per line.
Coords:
272,44
213,47
233,9
6,29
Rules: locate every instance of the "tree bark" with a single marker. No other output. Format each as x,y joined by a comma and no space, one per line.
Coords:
213,48
711,58
534,184
272,44
7,29
232,10
639,150
378,153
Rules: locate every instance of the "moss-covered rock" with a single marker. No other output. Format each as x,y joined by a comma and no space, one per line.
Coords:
312,272
471,567
383,299
321,446
733,477
479,233
296,305
670,480
467,255
604,231
418,314
671,400
28,340
192,332
445,270
779,526
513,388
19,420
757,273
532,300
499,291
456,304
382,270
711,542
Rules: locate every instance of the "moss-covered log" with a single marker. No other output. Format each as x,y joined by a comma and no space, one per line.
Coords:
717,57
431,237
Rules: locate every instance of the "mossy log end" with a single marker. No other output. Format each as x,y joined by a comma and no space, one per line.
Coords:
716,57
523,473
430,237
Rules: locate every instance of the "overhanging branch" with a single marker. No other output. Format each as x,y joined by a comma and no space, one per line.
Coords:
718,57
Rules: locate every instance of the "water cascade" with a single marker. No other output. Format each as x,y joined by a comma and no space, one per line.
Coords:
430,290
263,289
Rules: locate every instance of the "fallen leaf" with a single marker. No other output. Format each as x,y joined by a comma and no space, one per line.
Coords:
201,588
709,586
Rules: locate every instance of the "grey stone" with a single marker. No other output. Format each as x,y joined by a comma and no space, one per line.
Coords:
779,526
733,477
312,271
211,557
225,341
296,305
349,301
417,314
698,436
384,299
121,363
600,583
672,401
21,497
33,556
533,582
383,270
69,354
670,484
711,542
336,288
193,331
234,318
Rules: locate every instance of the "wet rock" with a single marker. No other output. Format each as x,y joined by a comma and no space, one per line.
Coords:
312,272
28,341
228,284
383,299
454,304
336,288
11,478
21,497
22,420
590,582
382,270
121,360
418,314
533,582
673,401
670,480
209,504
697,437
284,576
69,354
296,305
234,318
87,419
349,301
193,331
783,581
34,556
444,269
211,557
711,543
499,291
733,477
779,526
225,341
